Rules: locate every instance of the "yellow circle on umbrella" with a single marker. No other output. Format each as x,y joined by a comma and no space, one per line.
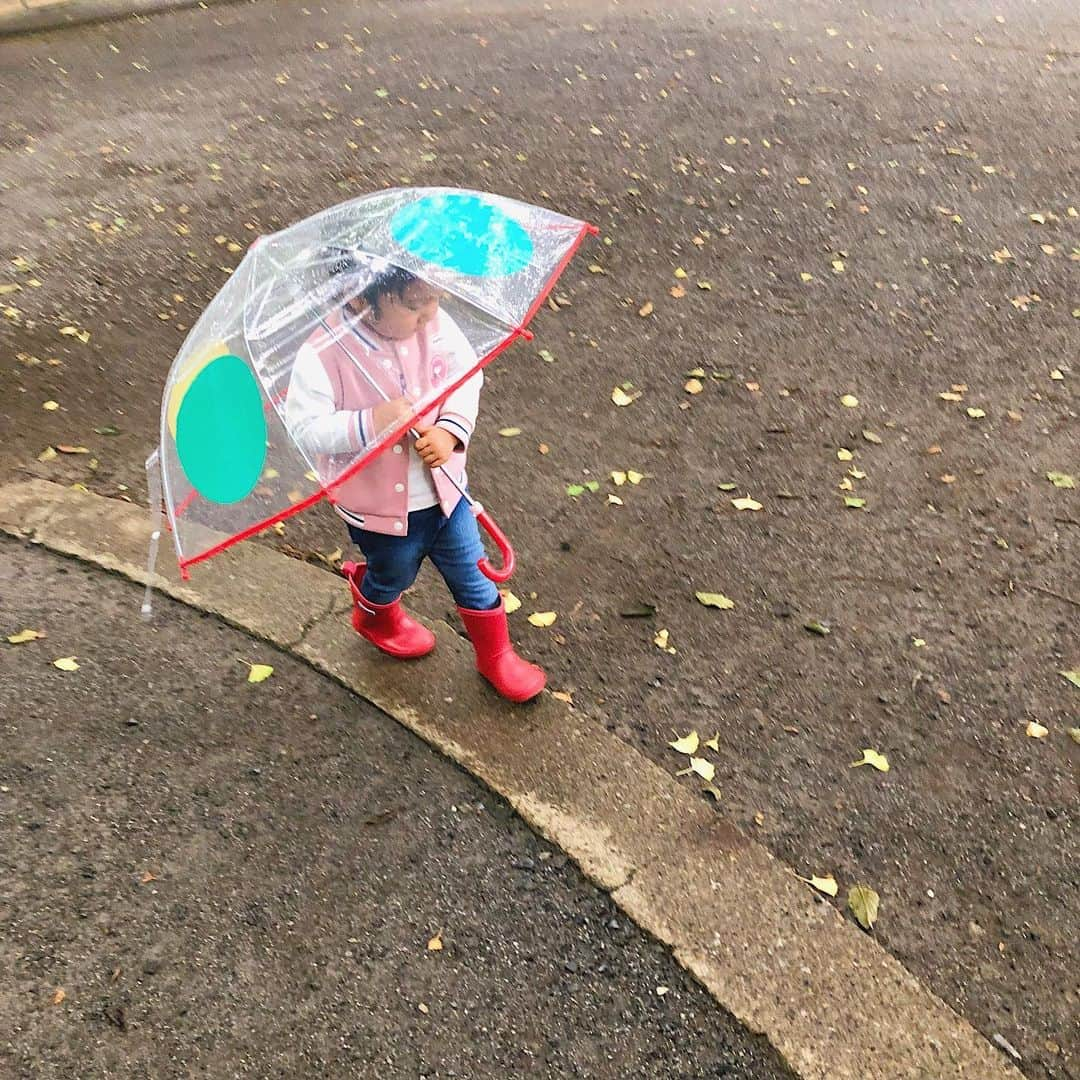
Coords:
189,373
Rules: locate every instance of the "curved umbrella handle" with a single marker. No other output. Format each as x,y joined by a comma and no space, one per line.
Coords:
496,534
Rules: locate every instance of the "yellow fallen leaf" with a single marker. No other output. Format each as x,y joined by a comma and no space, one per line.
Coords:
634,477
50,406
1039,219
716,600
846,485
614,500
872,757
509,432
646,309
677,292
542,618
563,696
1061,480
863,902
804,276
844,455
714,742
688,744
871,437
66,663
618,478
663,641
622,398
948,395
1057,374
25,635
435,944
693,386
58,997
856,474
510,602
705,769
802,181
976,414
680,272
849,401
260,673
1036,730
838,266
705,286
826,885
48,454
746,503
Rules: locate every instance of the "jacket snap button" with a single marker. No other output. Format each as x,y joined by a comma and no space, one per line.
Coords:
397,526
399,487
397,449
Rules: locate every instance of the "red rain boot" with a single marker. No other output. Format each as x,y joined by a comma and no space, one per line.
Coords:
514,678
386,626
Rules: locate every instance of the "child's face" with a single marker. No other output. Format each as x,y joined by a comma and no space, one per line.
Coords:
399,317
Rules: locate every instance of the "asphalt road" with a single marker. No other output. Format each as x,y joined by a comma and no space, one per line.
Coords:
882,199
231,879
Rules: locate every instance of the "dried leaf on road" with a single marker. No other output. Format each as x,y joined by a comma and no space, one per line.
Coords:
622,398
260,673
542,618
872,757
716,600
705,769
662,640
853,502
510,602
24,636
693,386
1061,480
746,503
826,885
646,309
688,744
1071,676
816,627
1035,730
871,437
435,944
509,432
863,902
849,401
66,663
58,997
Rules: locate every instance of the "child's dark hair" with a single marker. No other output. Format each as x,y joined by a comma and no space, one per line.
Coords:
386,279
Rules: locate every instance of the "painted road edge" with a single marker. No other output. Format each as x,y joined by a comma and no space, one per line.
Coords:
785,963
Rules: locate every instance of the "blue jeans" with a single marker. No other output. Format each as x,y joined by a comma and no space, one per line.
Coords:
453,545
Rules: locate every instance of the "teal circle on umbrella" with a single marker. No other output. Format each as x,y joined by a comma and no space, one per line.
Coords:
463,232
221,431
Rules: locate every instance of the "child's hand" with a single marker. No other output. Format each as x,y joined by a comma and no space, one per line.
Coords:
435,446
388,414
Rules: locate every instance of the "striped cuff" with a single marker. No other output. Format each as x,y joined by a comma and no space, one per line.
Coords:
456,425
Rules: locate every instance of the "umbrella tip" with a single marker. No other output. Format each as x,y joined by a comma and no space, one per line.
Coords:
592,230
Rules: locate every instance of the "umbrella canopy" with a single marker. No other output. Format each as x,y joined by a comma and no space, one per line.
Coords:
230,461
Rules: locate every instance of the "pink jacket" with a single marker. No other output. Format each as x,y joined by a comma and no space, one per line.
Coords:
329,408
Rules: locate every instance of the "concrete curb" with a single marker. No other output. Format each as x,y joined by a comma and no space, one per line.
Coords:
24,16
787,965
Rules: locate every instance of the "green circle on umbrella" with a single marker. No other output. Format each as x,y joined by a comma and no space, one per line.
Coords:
221,431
